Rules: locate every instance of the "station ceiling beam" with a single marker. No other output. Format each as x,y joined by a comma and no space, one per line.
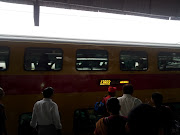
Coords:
163,9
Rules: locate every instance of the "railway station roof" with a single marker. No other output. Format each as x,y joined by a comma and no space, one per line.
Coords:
162,9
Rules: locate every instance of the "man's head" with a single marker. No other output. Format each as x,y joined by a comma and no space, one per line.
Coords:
112,91
142,120
48,92
2,93
157,99
113,105
128,89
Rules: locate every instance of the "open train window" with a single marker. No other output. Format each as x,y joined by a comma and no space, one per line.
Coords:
169,61
133,61
4,58
43,59
91,60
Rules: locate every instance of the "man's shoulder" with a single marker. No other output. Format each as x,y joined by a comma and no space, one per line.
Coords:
119,98
39,101
165,108
125,96
116,117
53,103
137,100
101,120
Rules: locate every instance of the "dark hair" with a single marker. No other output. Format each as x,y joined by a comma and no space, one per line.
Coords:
113,105
157,98
48,92
143,120
112,94
128,89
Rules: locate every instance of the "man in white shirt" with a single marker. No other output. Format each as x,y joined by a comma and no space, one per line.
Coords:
46,115
127,101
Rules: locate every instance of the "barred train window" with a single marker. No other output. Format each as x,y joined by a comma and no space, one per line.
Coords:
4,58
169,61
133,61
92,60
43,59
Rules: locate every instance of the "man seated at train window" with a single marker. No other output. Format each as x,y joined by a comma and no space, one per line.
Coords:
127,101
46,115
43,63
113,124
165,114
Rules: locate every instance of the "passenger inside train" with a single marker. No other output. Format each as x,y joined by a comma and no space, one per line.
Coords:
44,63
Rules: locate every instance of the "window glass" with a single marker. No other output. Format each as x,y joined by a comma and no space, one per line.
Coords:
43,59
92,60
133,61
169,61
85,120
4,58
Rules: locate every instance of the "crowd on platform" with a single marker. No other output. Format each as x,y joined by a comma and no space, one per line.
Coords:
125,115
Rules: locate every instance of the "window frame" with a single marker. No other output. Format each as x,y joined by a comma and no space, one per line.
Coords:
8,58
93,70
133,51
25,54
166,55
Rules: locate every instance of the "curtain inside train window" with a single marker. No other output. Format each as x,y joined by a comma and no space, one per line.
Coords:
43,59
4,58
133,61
91,60
169,61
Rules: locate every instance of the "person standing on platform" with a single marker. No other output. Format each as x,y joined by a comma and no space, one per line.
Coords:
113,124
142,120
2,114
127,101
46,115
111,92
165,114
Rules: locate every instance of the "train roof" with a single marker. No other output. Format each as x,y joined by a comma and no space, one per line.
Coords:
39,39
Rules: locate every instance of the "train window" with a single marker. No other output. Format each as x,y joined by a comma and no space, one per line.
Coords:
133,61
92,60
43,59
169,61
85,121
4,58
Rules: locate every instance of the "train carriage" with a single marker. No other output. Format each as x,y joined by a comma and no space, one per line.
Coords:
80,72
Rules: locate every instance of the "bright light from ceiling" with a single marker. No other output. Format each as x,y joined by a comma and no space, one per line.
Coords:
17,19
